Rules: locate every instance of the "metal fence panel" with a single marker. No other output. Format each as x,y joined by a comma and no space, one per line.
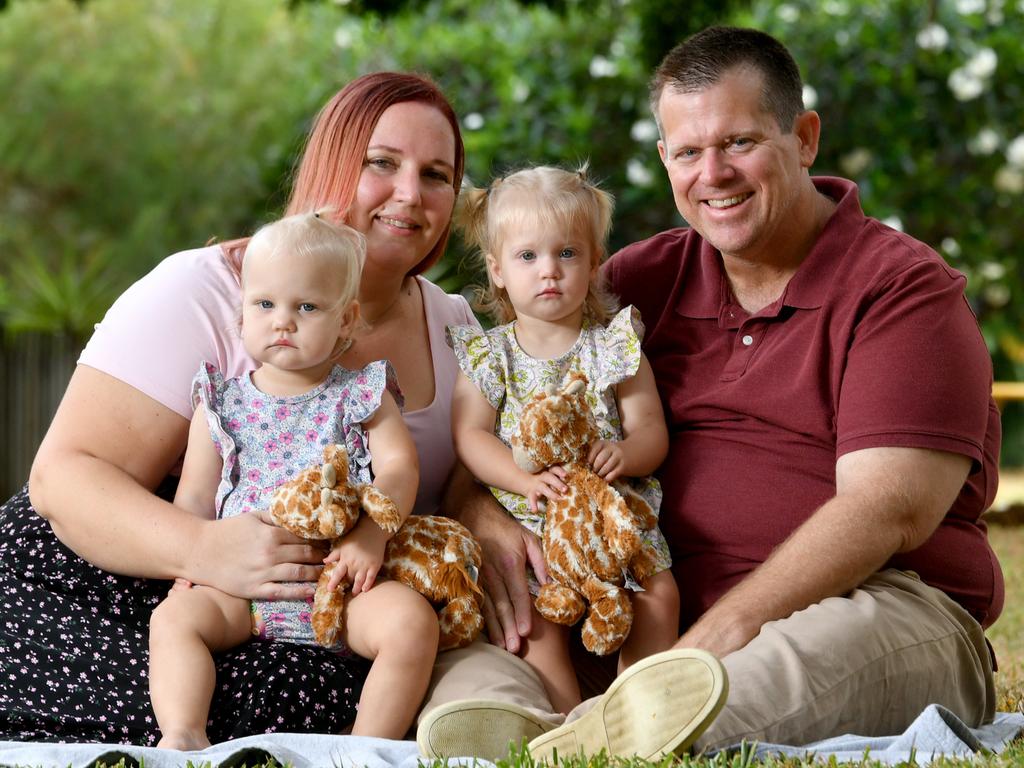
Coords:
34,371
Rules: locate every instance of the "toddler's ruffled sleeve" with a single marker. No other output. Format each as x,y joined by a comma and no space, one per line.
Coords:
208,390
620,347
478,360
361,393
365,388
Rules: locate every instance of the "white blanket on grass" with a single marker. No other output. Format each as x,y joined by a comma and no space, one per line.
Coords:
936,732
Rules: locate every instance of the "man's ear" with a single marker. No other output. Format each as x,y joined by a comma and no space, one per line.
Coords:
807,128
661,151
494,268
349,318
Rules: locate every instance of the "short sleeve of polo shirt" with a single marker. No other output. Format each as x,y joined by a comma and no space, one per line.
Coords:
917,372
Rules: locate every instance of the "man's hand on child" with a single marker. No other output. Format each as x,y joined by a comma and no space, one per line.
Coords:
607,459
548,483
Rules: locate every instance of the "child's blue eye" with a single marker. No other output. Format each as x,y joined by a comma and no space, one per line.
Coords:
307,307
567,253
527,255
265,304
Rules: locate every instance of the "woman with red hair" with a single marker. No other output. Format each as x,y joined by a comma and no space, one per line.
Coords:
88,547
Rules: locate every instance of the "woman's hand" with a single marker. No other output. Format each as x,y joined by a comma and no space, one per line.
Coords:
250,557
507,548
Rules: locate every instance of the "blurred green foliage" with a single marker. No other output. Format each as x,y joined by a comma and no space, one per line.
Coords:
130,130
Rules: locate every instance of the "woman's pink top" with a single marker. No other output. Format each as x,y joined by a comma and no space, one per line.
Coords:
186,311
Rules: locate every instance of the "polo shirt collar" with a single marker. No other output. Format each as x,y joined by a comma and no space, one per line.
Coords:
706,290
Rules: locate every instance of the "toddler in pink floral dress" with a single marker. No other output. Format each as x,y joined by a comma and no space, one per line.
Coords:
253,433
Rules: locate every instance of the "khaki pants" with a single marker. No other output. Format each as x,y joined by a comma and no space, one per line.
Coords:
867,663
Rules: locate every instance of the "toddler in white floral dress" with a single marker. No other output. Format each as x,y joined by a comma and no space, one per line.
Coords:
542,234
250,434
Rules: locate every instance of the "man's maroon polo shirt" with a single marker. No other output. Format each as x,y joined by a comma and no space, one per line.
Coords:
872,344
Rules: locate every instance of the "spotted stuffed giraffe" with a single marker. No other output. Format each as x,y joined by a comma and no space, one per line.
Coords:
592,532
434,555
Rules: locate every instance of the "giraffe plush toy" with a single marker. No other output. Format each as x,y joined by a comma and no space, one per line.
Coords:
591,539
434,555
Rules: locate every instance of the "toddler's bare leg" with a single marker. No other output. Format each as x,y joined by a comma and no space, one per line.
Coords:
184,631
547,651
397,628
655,619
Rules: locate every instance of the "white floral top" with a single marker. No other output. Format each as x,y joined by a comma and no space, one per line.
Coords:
508,377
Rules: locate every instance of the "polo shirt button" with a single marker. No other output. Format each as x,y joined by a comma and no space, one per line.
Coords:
747,340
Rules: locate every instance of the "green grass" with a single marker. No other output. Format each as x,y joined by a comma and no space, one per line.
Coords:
1007,634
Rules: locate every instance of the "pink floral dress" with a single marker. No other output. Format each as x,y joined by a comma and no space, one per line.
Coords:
265,441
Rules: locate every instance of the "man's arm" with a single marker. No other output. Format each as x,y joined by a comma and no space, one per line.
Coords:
887,500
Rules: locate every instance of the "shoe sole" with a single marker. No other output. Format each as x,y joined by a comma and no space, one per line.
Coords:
658,706
477,728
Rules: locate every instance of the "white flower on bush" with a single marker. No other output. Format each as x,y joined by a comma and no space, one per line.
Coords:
1015,152
894,222
788,13
950,247
602,67
520,92
996,295
856,162
983,63
810,97
344,37
1009,179
933,37
992,270
835,8
644,131
964,85
474,121
639,174
966,7
985,142
842,38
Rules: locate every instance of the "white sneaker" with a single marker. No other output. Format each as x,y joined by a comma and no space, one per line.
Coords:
658,706
477,728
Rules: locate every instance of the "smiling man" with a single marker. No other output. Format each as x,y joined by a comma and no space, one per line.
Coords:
833,441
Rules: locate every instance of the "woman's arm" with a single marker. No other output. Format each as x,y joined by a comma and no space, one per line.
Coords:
489,459
644,443
507,548
108,446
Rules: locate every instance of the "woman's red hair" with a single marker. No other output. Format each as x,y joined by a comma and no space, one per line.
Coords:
328,173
